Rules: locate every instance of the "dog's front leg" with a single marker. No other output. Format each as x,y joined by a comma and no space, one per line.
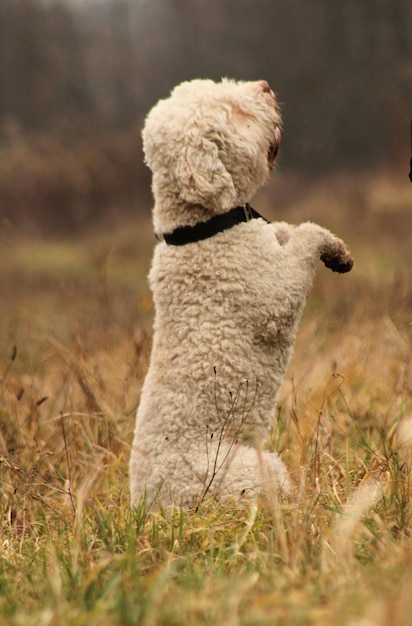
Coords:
312,242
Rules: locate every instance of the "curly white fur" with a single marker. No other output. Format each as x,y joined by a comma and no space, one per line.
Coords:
228,307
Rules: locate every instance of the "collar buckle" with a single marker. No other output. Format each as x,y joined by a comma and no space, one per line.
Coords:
247,211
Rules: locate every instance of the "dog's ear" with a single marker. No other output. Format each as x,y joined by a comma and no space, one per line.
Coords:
202,176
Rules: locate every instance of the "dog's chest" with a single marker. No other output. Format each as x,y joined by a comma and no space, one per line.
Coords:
230,286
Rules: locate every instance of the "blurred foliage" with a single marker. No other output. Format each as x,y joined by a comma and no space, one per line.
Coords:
77,79
52,183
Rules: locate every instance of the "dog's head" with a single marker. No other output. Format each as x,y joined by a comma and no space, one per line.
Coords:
212,144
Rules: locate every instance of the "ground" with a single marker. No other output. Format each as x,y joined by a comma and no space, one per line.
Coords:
75,322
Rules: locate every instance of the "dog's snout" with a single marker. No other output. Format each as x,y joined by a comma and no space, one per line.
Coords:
265,88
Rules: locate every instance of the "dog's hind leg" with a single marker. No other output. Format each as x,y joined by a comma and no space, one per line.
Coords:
245,471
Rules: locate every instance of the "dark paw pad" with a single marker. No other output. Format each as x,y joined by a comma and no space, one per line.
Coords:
338,263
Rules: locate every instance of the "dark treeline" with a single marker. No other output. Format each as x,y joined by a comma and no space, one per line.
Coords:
341,69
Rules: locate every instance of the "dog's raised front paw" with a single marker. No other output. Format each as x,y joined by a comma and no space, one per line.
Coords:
341,261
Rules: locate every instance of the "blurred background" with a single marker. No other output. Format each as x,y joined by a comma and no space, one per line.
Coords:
78,76
76,81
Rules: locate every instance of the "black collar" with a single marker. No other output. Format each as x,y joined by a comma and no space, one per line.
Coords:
217,224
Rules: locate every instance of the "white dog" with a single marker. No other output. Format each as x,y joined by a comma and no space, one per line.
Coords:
229,289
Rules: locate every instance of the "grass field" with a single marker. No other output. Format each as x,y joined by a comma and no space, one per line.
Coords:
75,319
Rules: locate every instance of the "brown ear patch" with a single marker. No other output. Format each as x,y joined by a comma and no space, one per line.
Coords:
240,112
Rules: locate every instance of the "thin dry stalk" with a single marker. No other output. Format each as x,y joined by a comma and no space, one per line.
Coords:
69,476
223,461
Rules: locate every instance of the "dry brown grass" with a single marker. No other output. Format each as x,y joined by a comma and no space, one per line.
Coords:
75,336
